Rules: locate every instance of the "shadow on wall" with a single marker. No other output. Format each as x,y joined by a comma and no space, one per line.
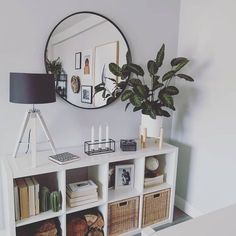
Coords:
188,97
183,169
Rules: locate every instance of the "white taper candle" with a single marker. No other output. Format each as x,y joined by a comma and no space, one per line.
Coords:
107,136
100,136
92,137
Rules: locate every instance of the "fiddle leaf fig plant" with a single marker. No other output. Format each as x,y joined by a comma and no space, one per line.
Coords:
154,96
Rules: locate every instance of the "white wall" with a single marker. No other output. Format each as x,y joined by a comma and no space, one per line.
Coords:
204,124
25,26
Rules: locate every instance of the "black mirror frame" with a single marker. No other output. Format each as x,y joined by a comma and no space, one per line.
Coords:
94,13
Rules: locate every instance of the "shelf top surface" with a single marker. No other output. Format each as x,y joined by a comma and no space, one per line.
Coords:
22,165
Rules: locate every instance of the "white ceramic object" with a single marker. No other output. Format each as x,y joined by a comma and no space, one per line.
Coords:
151,163
153,126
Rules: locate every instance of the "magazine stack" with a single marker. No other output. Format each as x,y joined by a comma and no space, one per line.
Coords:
81,193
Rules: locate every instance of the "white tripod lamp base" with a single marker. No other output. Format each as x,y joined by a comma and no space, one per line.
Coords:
31,118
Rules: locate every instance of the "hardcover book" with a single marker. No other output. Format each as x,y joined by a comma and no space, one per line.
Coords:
82,186
30,186
24,198
36,195
16,202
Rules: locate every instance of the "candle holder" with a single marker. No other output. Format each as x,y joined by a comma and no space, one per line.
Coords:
96,147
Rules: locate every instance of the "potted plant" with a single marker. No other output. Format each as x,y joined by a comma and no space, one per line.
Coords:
152,95
54,67
151,98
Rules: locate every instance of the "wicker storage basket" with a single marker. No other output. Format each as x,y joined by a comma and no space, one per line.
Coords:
155,207
123,216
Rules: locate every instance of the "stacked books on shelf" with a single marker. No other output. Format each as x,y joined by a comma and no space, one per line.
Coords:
81,193
153,181
26,197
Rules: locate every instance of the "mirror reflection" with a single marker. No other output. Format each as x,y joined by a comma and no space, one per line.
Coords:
78,53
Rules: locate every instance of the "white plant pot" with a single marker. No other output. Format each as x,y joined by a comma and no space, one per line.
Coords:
153,126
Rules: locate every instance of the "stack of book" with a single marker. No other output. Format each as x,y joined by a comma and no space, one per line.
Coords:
150,182
26,197
81,193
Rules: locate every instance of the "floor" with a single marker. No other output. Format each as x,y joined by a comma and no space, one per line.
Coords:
179,217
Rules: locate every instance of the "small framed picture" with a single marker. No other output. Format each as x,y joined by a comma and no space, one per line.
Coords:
86,94
78,56
124,176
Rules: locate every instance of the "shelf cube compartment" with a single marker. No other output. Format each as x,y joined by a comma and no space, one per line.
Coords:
155,207
45,227
95,173
123,216
84,222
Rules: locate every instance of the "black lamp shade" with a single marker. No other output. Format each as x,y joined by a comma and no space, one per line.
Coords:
32,88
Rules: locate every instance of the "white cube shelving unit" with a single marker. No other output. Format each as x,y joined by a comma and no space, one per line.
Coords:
89,167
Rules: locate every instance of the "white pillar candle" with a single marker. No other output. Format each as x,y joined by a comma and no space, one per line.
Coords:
92,137
107,136
100,136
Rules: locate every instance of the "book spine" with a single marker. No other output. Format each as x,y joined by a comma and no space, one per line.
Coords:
16,202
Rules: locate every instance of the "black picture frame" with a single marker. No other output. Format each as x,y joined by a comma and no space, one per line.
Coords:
78,58
86,98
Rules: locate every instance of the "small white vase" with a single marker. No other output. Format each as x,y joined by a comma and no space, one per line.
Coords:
153,126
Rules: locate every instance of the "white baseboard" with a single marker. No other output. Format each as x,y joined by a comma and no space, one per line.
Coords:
186,207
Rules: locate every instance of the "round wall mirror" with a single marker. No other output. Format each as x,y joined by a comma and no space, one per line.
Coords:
78,53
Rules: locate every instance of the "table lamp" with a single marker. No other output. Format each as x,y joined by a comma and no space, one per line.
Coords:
26,88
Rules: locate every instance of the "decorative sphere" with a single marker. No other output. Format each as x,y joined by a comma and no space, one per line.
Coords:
151,163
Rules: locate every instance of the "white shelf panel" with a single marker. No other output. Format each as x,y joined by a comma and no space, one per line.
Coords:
156,188
120,194
21,166
42,216
70,210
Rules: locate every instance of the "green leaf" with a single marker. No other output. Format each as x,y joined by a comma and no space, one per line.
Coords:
126,95
99,89
104,94
137,109
128,57
134,82
171,90
110,100
152,67
136,100
165,113
156,85
136,69
122,85
125,71
167,100
178,60
152,114
115,69
168,75
127,105
99,85
141,91
186,77
160,56
180,66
